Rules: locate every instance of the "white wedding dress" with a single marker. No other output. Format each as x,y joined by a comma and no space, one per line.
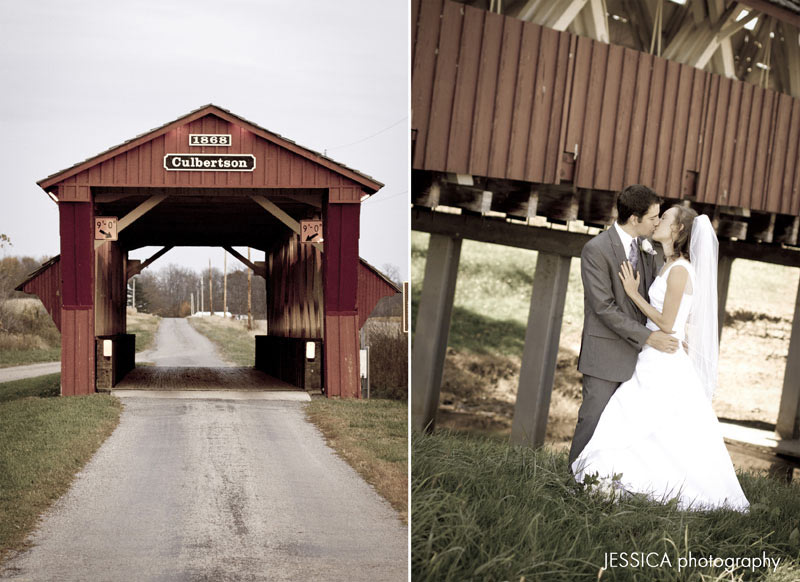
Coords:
659,430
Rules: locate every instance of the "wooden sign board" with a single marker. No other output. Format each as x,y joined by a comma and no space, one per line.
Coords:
310,231
105,228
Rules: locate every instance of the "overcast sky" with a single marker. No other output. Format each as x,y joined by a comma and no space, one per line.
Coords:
79,77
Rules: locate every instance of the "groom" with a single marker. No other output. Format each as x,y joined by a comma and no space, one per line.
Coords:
614,329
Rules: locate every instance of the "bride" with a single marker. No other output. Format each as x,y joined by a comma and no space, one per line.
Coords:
658,434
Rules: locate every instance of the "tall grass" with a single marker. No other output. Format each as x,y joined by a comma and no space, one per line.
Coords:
27,333
483,510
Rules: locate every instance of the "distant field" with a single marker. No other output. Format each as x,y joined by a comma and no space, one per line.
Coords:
487,335
28,335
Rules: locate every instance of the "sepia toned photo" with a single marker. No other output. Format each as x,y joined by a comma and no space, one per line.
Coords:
604,262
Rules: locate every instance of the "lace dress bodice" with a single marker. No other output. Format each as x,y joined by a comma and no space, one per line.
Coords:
658,291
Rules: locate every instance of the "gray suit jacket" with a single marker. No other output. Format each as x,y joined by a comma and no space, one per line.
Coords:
613,327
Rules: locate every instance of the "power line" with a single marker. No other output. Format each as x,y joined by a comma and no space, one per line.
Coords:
387,128
385,198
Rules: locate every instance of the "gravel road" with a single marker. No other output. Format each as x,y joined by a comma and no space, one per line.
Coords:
178,344
195,490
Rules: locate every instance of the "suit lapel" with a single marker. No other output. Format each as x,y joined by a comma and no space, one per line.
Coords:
616,245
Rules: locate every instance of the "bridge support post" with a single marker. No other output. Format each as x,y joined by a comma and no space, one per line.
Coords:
432,328
788,425
340,276
540,353
77,298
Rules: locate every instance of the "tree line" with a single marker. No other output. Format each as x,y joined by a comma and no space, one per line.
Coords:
175,291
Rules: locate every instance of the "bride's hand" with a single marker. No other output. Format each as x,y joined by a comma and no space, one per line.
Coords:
629,280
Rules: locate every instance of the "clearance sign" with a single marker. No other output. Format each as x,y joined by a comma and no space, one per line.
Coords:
210,162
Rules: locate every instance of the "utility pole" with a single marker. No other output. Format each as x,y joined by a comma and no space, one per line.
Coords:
225,285
134,294
202,298
249,293
210,290
191,299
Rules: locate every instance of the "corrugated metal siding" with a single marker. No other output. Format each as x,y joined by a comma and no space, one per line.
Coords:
371,289
47,287
294,295
276,167
490,95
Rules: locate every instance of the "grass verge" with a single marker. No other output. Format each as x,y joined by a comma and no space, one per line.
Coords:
44,442
483,510
235,343
372,436
144,325
12,357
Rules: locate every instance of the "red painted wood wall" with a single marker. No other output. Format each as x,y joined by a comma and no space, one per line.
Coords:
280,163
340,272
77,295
46,285
497,97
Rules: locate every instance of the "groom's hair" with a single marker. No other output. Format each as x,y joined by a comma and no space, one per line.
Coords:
635,200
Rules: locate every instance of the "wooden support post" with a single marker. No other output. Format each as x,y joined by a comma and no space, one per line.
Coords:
432,329
225,286
249,294
788,425
723,282
77,298
541,350
340,282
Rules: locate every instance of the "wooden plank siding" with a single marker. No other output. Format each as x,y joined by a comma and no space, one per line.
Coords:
372,287
46,285
110,290
306,288
294,290
491,95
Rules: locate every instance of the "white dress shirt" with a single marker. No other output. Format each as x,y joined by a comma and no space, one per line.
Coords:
626,239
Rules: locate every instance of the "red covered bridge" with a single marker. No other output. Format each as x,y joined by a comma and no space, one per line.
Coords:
211,178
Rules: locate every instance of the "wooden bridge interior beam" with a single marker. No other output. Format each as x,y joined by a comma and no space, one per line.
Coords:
261,271
136,267
135,215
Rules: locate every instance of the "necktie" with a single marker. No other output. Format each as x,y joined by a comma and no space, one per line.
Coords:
633,255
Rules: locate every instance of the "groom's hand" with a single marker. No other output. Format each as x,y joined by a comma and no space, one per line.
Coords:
663,342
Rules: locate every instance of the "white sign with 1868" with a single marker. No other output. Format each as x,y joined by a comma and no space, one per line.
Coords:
209,139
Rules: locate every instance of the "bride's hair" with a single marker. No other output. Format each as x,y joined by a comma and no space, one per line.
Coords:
683,226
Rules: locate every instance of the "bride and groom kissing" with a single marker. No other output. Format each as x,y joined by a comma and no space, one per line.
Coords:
648,357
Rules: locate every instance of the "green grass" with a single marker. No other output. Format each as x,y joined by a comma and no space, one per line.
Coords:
483,510
372,436
38,387
11,357
232,339
44,442
492,300
144,326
